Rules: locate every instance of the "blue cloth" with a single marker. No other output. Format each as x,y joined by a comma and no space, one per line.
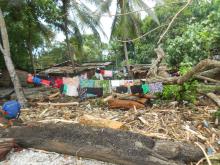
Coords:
12,109
36,80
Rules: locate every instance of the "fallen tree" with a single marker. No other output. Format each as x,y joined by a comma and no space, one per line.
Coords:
115,146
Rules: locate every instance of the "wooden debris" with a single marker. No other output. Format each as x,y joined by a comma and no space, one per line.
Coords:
99,122
195,133
124,104
214,98
58,104
6,144
115,146
54,95
142,120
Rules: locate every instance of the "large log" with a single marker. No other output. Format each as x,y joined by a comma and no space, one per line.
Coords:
119,147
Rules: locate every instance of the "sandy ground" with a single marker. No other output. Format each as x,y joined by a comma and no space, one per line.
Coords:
39,157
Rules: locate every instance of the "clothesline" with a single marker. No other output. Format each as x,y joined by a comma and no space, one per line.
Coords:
85,88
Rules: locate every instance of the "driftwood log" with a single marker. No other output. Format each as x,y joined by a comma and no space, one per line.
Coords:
6,144
115,146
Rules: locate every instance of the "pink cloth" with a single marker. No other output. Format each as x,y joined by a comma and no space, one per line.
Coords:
71,81
108,73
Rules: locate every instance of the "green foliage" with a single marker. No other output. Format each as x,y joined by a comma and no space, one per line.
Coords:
217,113
195,31
185,67
186,92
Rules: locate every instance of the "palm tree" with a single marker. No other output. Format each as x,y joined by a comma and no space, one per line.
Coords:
126,23
76,17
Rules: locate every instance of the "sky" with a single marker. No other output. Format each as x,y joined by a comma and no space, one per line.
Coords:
106,22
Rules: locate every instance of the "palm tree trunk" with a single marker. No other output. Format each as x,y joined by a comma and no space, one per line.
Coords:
30,48
126,58
5,49
126,55
65,19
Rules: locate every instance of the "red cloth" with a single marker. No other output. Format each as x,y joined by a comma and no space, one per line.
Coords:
45,82
58,82
102,72
30,79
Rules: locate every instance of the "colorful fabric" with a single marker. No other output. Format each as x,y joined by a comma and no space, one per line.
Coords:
71,90
128,83
57,83
121,89
99,76
87,84
83,76
115,83
136,89
36,80
12,109
108,73
64,89
145,88
71,81
105,84
30,78
156,87
98,92
46,82
82,93
102,72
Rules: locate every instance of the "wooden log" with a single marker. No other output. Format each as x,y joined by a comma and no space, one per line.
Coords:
214,97
59,104
110,145
99,122
6,144
124,104
53,95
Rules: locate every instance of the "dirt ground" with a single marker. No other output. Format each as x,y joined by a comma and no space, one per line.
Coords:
164,120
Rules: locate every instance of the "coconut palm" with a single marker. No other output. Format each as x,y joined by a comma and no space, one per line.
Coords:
126,23
75,18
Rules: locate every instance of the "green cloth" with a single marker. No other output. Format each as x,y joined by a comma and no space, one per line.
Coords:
105,84
145,88
64,89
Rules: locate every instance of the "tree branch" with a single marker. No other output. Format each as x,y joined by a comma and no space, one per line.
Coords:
171,22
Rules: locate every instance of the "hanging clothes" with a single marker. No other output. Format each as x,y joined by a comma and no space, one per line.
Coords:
156,87
115,83
145,88
83,76
95,91
105,84
136,89
128,83
82,93
86,84
72,90
36,80
102,71
30,78
121,89
57,83
47,83
63,89
108,73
